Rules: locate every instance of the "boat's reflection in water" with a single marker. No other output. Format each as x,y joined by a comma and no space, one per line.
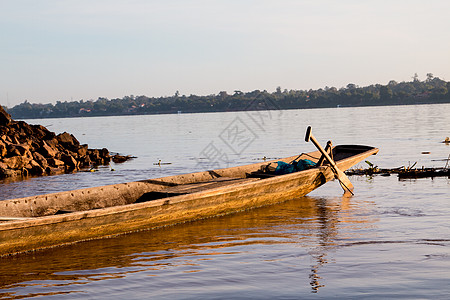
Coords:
313,225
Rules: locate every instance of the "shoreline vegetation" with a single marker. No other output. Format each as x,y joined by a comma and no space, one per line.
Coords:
432,90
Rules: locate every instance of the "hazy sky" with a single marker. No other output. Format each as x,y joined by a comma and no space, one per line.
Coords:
70,50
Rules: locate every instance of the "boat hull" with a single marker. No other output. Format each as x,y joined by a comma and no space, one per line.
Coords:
34,233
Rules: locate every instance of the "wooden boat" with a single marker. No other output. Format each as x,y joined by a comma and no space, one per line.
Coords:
43,221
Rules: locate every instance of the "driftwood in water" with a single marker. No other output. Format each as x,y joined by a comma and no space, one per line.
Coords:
424,172
402,172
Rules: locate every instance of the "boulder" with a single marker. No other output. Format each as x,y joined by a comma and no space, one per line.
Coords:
3,149
3,166
71,153
39,131
18,149
85,161
55,163
67,140
47,151
118,159
23,129
34,168
37,170
53,142
104,154
9,173
42,133
70,162
34,150
5,118
52,171
82,150
16,162
40,159
94,155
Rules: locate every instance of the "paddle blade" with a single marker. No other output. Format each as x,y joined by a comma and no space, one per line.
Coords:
345,183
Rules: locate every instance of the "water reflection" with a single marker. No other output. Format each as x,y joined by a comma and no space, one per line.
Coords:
328,218
313,226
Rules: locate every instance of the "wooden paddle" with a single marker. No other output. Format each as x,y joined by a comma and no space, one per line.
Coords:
346,185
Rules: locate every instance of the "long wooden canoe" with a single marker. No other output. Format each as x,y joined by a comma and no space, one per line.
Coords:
38,222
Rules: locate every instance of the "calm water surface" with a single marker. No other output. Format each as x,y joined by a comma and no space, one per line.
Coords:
391,240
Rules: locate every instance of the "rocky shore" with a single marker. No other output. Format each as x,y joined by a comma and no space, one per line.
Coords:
27,150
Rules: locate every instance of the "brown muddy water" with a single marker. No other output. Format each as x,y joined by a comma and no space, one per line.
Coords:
391,240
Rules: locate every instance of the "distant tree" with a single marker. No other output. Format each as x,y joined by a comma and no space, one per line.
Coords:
223,94
392,82
385,93
278,90
432,90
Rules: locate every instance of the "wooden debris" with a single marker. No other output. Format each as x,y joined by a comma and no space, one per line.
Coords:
424,172
402,172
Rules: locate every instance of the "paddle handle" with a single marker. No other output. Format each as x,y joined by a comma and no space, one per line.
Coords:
309,137
308,134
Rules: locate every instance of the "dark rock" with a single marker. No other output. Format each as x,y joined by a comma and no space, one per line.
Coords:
70,162
42,133
3,166
3,149
55,162
118,159
85,161
68,140
47,151
82,150
37,170
34,150
40,159
71,153
24,128
5,118
16,162
53,142
6,139
104,152
32,164
18,149
94,155
9,173
52,171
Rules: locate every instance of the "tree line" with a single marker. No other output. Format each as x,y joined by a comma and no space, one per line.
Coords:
430,90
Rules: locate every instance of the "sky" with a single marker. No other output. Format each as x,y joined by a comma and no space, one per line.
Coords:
54,50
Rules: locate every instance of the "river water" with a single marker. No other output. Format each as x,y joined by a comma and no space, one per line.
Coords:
390,240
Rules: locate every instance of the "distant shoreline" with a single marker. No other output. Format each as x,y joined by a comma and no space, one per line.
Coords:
431,91
204,112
